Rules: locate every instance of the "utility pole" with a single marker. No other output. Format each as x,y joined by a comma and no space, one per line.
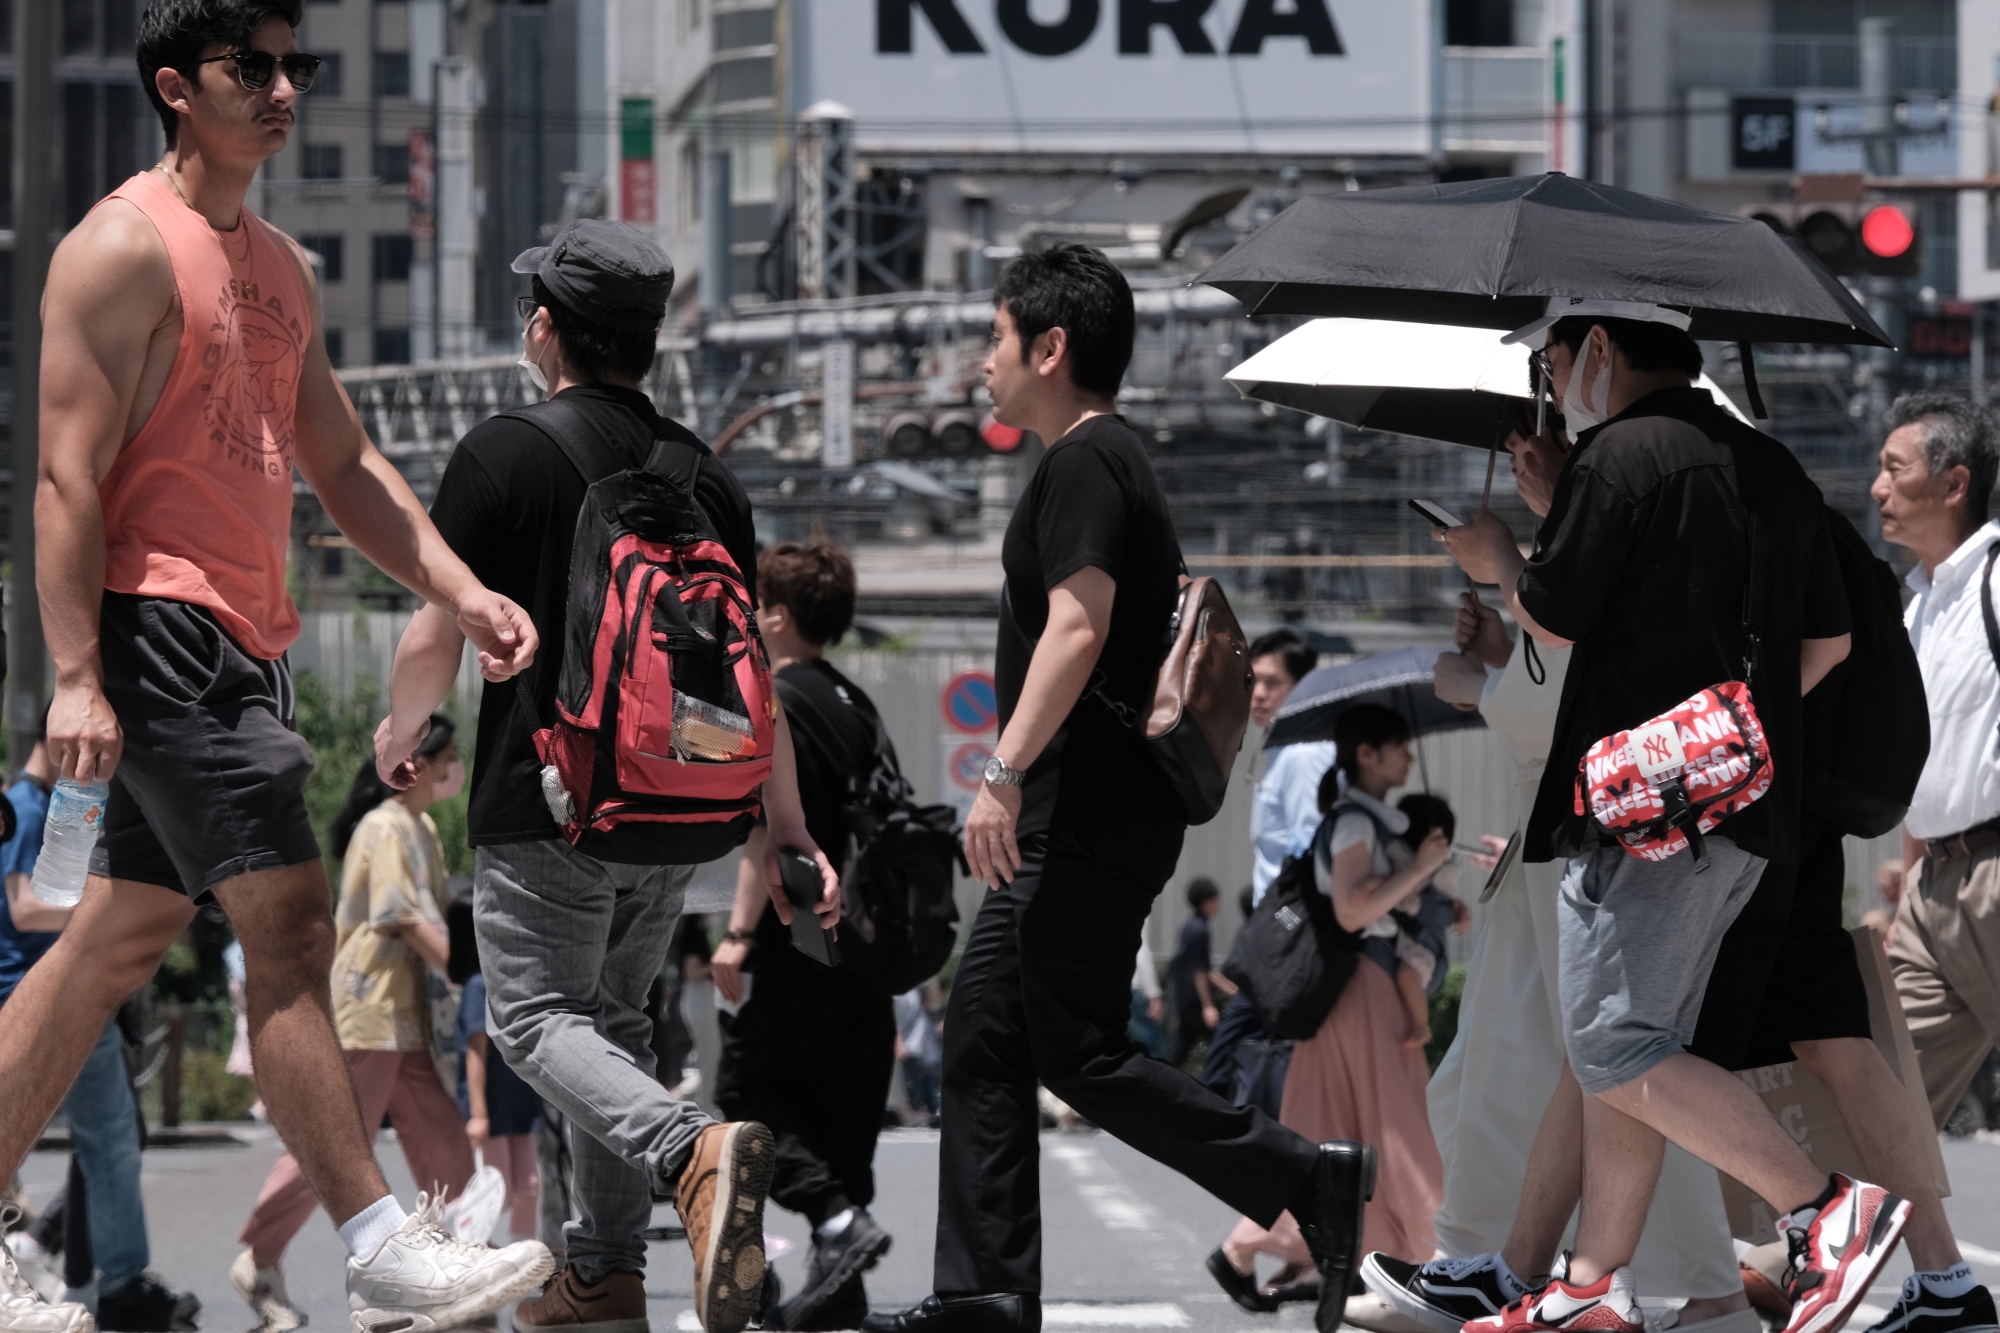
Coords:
1879,146
34,221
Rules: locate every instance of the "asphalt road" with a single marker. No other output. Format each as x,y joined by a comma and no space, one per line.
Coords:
1125,1237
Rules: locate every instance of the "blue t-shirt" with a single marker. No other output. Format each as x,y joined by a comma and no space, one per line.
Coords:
512,1107
22,949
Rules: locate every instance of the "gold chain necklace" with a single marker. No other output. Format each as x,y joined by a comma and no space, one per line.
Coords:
172,184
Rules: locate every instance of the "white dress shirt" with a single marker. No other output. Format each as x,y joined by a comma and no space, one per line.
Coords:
1960,787
1286,810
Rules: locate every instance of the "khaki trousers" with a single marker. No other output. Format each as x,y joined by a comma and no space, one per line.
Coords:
1945,950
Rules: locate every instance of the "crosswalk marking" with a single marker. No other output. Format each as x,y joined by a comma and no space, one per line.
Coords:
1979,1254
1064,1314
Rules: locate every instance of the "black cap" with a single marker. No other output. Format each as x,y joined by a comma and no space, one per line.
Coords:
607,272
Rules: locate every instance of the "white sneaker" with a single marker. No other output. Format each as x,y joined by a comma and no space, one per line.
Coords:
424,1281
263,1290
22,1310
36,1266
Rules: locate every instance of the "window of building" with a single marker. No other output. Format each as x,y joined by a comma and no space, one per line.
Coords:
689,184
392,346
332,251
327,83
392,163
392,73
392,261
1479,22
336,345
745,27
320,161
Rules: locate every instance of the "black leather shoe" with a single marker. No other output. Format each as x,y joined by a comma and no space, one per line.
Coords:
1240,1287
1329,1212
999,1312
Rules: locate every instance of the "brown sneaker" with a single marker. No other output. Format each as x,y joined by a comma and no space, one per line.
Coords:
720,1198
569,1305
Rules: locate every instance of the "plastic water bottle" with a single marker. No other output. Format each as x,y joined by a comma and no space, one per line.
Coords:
76,815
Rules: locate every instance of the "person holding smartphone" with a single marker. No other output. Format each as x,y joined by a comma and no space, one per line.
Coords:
807,1048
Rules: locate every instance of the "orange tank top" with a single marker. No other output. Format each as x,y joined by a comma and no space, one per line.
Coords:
198,507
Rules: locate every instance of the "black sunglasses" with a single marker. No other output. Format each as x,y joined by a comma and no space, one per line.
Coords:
526,306
254,68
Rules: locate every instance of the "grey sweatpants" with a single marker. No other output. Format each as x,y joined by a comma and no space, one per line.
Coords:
1637,941
570,947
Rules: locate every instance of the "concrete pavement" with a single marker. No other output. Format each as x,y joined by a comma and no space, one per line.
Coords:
1125,1237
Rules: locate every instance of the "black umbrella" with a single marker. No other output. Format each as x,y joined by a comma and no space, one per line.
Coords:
1399,679
1491,253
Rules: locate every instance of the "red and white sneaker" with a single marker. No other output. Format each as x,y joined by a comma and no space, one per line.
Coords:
1608,1305
1834,1258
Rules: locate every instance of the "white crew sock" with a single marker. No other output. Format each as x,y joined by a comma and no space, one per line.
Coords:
366,1230
836,1224
1513,1286
1955,1281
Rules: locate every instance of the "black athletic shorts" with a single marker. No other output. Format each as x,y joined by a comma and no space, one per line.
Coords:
1787,970
212,784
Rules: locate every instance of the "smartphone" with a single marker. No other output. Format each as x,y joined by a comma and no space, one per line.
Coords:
1501,868
1437,514
800,874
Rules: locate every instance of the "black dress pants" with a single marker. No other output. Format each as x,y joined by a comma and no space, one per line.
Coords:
1043,993
810,1054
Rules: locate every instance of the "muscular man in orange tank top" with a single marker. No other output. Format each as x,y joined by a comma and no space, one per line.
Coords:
183,377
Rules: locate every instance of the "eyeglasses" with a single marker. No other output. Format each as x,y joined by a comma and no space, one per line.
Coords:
254,68
526,306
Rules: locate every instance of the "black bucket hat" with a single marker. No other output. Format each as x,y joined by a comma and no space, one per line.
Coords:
607,272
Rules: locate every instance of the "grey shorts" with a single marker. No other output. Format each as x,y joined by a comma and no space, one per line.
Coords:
1637,941
213,778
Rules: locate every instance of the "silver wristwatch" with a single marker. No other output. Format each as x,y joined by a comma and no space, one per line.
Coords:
997,773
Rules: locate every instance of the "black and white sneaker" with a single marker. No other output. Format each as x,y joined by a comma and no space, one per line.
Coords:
1442,1295
1919,1310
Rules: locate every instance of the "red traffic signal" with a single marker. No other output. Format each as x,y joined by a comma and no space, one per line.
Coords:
1888,231
1851,237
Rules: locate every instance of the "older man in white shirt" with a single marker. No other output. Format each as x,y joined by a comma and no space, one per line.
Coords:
1937,474
1282,819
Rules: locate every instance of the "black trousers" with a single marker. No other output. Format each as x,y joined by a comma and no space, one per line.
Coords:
810,1054
1239,1021
1043,993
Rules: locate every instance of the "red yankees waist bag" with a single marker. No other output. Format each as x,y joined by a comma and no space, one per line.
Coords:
1657,788
665,721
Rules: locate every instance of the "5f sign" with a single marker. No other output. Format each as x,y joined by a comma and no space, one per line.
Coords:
1137,20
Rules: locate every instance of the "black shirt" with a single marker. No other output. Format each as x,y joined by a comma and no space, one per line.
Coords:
507,504
1093,502
1191,959
833,741
1643,561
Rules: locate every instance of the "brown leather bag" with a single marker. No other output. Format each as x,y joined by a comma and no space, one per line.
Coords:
1201,699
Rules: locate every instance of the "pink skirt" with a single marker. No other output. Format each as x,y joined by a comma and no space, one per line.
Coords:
1353,1080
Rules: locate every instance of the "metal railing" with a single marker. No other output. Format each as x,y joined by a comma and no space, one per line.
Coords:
1722,59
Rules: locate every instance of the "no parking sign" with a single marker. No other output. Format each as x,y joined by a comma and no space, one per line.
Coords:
970,708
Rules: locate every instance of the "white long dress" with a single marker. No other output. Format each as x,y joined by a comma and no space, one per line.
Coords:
1487,1096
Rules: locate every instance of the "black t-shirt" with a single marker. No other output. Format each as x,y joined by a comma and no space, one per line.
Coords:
1643,561
833,741
1191,959
507,504
1093,502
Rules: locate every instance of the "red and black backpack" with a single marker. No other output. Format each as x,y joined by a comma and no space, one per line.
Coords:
665,719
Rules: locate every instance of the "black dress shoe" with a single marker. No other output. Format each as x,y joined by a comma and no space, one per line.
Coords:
998,1312
1329,1212
1241,1287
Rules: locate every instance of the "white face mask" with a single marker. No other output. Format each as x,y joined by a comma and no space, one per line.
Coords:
452,783
527,363
1577,412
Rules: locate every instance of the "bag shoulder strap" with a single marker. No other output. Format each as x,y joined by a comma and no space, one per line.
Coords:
1986,604
1751,478
587,441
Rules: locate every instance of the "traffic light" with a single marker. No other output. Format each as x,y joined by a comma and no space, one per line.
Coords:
1882,237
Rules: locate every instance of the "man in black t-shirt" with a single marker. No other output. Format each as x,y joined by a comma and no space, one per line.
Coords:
1075,832
571,944
820,1085
1642,565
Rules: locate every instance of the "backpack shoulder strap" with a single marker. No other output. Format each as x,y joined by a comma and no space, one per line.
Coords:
578,433
1986,604
677,453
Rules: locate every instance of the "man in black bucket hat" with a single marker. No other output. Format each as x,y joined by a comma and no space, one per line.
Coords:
571,941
